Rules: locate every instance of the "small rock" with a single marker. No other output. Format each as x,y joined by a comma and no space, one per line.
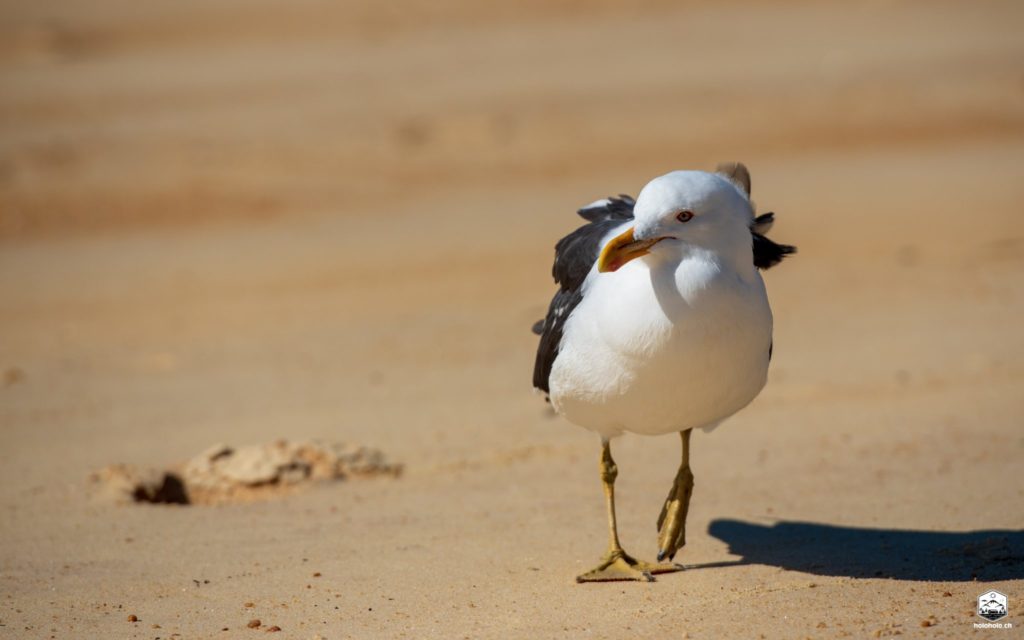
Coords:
926,623
211,454
254,465
274,629
254,623
293,473
223,473
133,618
250,605
124,483
316,575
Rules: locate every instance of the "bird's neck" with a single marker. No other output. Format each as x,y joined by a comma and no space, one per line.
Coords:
700,262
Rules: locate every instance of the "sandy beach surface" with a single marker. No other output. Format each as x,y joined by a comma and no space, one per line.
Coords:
238,222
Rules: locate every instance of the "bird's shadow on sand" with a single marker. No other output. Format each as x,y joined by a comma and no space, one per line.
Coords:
902,554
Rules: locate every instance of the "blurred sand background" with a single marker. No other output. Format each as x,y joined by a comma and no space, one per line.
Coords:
232,221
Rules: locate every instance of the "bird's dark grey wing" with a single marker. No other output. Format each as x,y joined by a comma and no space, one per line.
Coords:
574,257
620,208
767,254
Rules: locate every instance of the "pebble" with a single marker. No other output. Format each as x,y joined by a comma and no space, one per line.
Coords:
254,624
133,618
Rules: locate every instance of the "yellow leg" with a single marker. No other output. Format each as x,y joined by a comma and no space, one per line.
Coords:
672,522
617,564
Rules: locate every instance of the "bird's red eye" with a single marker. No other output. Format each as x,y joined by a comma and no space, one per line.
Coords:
684,216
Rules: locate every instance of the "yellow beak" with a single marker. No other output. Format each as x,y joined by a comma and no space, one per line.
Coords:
621,249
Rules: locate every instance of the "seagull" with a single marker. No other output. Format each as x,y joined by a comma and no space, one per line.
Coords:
661,324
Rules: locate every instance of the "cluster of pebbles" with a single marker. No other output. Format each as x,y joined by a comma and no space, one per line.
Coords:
223,474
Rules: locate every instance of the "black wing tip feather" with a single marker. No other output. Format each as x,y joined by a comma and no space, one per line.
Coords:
767,253
620,207
763,223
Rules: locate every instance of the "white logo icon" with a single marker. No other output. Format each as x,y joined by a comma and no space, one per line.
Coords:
992,605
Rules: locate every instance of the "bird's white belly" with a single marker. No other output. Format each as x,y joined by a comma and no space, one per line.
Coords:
661,350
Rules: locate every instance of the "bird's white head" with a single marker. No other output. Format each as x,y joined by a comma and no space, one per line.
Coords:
686,210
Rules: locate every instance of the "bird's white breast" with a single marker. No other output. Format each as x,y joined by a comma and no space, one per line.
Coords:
660,347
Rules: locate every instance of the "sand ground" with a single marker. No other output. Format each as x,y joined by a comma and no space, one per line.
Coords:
235,222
